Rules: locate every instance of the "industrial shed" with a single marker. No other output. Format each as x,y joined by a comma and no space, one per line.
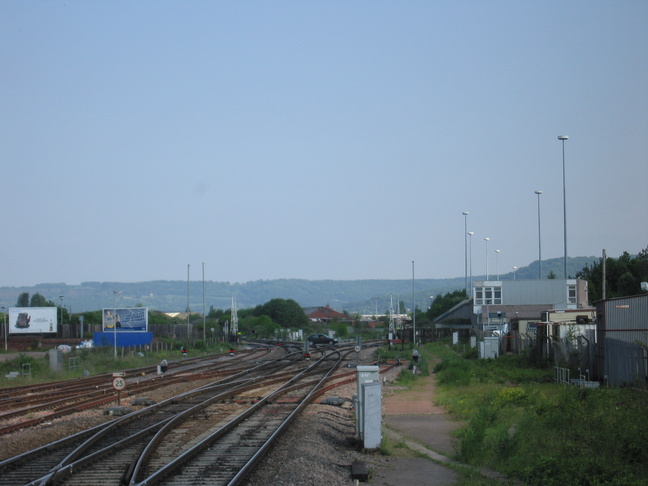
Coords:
622,340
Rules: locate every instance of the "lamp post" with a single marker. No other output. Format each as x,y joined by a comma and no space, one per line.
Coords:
497,252
562,138
4,325
204,323
115,293
470,233
465,214
188,308
486,240
413,310
539,240
514,270
61,297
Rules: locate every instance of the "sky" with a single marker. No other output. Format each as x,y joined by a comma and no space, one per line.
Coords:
317,140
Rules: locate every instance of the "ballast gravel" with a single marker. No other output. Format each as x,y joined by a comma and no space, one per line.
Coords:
318,448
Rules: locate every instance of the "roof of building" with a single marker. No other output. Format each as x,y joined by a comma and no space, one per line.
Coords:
325,313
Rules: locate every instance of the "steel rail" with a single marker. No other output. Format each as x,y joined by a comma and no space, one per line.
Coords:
88,399
81,455
192,452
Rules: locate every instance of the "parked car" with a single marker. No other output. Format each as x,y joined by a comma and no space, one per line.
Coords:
320,339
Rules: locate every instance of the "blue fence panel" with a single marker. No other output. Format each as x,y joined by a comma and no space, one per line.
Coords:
123,338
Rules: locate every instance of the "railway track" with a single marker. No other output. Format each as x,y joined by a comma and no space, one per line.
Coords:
73,453
211,435
62,398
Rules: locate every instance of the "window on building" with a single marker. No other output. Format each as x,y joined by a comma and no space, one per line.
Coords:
488,295
571,294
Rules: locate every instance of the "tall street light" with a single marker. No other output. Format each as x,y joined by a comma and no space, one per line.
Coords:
539,240
514,270
465,214
61,297
189,330
470,233
562,138
413,310
115,294
204,323
497,252
486,240
4,325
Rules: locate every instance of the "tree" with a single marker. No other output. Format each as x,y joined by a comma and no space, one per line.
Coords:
285,312
37,300
443,303
623,275
23,300
341,329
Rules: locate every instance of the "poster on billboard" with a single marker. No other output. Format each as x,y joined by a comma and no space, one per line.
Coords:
30,320
133,319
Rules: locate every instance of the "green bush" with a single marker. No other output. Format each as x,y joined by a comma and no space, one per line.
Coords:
542,433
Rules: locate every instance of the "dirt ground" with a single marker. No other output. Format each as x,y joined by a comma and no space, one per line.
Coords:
411,417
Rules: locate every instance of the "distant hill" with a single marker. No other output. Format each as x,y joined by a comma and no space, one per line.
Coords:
363,296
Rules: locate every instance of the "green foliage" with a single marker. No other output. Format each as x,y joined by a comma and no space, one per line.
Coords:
443,303
96,361
38,365
341,329
623,276
541,433
37,300
263,327
23,300
285,312
406,377
94,317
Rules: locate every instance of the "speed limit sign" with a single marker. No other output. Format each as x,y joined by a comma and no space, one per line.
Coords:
119,383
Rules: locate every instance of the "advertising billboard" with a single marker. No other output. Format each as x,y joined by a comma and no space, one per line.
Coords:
134,319
30,320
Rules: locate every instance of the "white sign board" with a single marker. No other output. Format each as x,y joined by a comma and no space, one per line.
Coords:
30,320
132,319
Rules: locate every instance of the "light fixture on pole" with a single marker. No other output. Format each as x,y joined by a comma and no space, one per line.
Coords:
465,214
204,323
470,233
562,138
497,252
114,317
514,270
539,240
413,309
486,240
4,325
188,309
61,297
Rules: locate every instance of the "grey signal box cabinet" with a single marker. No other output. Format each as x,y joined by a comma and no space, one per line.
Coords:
364,374
372,415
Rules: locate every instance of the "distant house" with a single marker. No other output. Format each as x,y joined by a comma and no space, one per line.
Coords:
323,314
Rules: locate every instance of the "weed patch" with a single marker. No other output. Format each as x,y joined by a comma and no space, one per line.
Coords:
528,428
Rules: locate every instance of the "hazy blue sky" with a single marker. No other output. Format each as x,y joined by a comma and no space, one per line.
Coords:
317,140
